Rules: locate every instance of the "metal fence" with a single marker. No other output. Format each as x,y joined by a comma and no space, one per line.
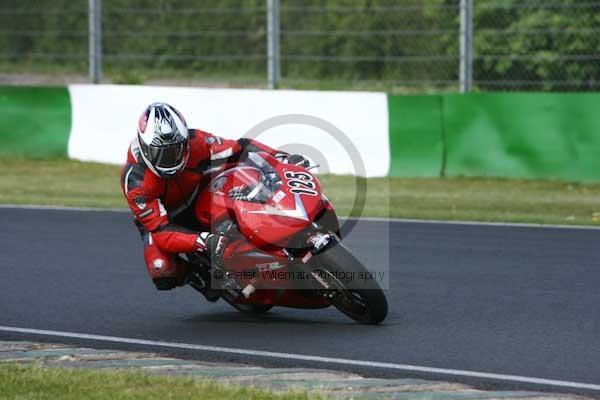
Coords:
401,46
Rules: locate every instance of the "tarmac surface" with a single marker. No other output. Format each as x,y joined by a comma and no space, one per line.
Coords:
514,300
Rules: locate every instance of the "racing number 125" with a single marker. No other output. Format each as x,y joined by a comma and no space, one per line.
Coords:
301,183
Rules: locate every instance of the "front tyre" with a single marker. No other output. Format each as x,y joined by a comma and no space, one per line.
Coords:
364,302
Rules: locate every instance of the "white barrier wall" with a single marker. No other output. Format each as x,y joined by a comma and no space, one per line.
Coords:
104,120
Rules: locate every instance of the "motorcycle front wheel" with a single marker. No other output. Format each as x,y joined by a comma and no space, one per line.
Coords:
362,301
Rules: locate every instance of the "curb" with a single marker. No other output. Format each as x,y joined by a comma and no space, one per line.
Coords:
333,384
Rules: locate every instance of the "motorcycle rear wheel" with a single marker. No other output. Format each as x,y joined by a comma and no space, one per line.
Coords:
364,302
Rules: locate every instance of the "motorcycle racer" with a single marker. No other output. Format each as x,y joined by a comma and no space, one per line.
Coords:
167,165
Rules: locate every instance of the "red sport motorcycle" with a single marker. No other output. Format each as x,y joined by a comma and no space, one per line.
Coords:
284,244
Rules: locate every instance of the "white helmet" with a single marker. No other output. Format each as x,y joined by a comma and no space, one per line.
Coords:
163,138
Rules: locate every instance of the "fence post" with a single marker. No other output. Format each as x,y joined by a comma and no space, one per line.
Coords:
95,40
466,45
273,56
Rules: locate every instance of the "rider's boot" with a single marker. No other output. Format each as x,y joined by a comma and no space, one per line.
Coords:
201,279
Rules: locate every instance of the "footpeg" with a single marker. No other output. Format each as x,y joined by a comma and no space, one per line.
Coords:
248,290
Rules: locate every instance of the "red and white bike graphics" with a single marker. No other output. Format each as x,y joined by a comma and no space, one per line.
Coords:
284,246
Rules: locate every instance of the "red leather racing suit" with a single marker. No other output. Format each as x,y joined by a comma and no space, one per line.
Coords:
163,208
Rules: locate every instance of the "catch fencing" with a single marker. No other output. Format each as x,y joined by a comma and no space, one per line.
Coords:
402,46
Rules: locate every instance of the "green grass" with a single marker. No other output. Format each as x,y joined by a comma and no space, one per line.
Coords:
26,382
60,182
71,183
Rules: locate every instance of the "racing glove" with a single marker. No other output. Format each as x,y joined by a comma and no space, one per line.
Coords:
211,244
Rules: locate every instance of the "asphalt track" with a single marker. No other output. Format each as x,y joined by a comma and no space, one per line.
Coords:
496,299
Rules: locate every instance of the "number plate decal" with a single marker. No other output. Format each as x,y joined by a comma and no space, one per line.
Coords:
301,183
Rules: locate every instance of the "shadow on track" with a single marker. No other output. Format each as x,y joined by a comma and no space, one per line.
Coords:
283,317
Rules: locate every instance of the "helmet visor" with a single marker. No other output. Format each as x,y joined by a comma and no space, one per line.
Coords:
167,157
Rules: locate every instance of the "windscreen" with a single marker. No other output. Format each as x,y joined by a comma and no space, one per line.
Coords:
269,181
253,180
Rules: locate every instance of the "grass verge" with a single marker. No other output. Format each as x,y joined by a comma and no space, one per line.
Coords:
33,382
72,183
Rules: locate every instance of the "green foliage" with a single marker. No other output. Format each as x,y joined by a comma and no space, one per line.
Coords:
229,38
378,41
551,46
128,77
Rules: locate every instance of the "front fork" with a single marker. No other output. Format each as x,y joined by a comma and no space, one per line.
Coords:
319,241
305,262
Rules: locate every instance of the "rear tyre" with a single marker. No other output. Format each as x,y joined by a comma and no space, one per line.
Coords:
364,302
229,297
